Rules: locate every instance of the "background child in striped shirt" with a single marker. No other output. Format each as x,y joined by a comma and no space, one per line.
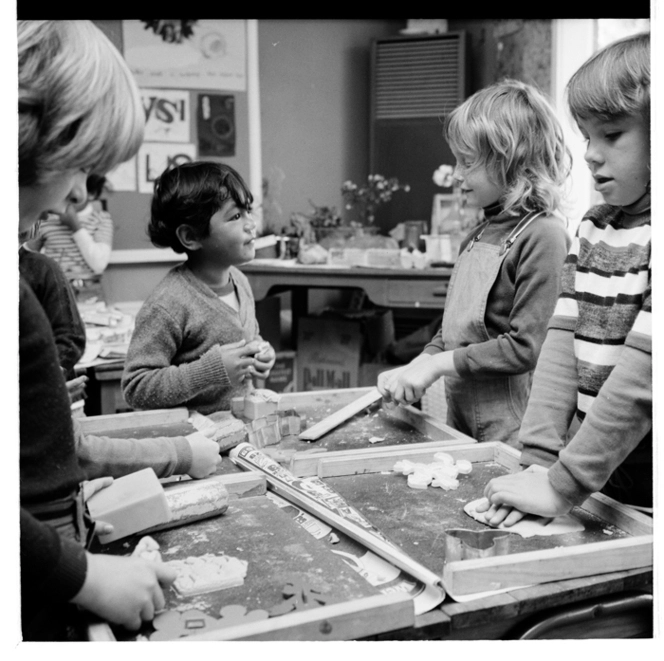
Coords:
80,240
589,418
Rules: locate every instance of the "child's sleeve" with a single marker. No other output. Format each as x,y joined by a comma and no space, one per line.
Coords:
50,565
538,267
618,419
149,380
552,401
101,456
96,248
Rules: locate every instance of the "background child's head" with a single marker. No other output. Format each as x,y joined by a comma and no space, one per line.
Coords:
79,106
190,194
510,130
614,82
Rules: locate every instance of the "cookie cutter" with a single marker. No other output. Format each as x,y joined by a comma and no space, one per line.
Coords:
465,544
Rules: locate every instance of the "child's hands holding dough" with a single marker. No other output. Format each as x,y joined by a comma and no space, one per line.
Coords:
239,360
511,497
123,590
264,360
205,457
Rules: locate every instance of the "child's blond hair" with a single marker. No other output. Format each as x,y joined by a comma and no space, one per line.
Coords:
614,82
79,106
511,129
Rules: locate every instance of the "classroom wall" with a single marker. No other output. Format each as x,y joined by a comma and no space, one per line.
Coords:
315,96
508,48
314,88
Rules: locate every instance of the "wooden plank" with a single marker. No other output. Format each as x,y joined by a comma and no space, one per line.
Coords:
100,632
334,420
499,572
104,424
427,424
305,464
622,516
354,462
295,400
343,621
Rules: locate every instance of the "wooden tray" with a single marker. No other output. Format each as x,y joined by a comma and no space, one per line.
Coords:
616,537
277,549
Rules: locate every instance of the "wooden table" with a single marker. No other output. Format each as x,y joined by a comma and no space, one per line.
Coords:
617,604
391,288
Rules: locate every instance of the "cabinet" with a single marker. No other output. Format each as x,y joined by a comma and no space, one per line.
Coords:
415,82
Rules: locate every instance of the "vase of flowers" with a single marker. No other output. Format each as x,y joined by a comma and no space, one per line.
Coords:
367,198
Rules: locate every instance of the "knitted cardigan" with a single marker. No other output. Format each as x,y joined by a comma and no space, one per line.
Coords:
174,357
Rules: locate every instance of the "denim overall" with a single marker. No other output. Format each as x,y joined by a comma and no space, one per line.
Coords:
489,408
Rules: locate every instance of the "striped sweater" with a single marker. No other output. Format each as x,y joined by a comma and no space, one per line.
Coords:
591,402
84,253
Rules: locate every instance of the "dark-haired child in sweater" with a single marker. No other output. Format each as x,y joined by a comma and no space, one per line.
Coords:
589,417
196,339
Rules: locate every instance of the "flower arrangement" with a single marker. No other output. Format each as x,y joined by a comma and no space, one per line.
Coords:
443,176
369,197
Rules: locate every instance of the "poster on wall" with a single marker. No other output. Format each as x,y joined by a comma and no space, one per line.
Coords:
215,121
166,115
155,157
187,53
123,177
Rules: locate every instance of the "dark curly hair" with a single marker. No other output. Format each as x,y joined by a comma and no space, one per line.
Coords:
190,194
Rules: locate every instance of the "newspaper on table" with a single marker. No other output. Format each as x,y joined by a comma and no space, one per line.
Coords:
316,497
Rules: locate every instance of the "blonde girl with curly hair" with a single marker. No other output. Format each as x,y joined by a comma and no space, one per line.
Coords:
512,162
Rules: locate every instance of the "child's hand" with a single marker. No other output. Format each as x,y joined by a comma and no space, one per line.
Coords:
70,219
76,388
123,590
239,360
90,487
497,514
205,453
529,491
406,386
264,360
385,379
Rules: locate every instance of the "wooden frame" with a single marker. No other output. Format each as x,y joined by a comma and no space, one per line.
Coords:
340,621
519,569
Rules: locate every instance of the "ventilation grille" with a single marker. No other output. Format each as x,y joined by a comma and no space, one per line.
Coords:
419,78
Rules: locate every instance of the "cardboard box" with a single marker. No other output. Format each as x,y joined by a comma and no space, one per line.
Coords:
283,377
328,353
369,373
268,316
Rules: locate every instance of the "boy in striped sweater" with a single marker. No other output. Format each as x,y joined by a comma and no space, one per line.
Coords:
589,417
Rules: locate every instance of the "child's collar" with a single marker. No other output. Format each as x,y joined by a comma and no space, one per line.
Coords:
638,207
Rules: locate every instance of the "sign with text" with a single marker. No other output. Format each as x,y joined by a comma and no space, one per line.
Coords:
155,157
166,115
123,177
195,54
328,353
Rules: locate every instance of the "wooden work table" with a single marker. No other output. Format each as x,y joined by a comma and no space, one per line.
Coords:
614,604
399,288
390,288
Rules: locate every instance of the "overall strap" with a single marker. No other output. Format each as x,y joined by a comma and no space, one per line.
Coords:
509,241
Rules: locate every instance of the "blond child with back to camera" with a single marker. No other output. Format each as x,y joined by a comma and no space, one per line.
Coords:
196,340
588,426
512,161
79,110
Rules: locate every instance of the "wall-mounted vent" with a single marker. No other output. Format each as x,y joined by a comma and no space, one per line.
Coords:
419,77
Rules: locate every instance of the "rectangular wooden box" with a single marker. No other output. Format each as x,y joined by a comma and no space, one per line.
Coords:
276,546
634,548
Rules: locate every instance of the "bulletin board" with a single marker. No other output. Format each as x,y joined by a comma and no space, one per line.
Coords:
193,80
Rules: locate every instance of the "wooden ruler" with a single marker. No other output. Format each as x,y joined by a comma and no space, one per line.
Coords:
334,420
